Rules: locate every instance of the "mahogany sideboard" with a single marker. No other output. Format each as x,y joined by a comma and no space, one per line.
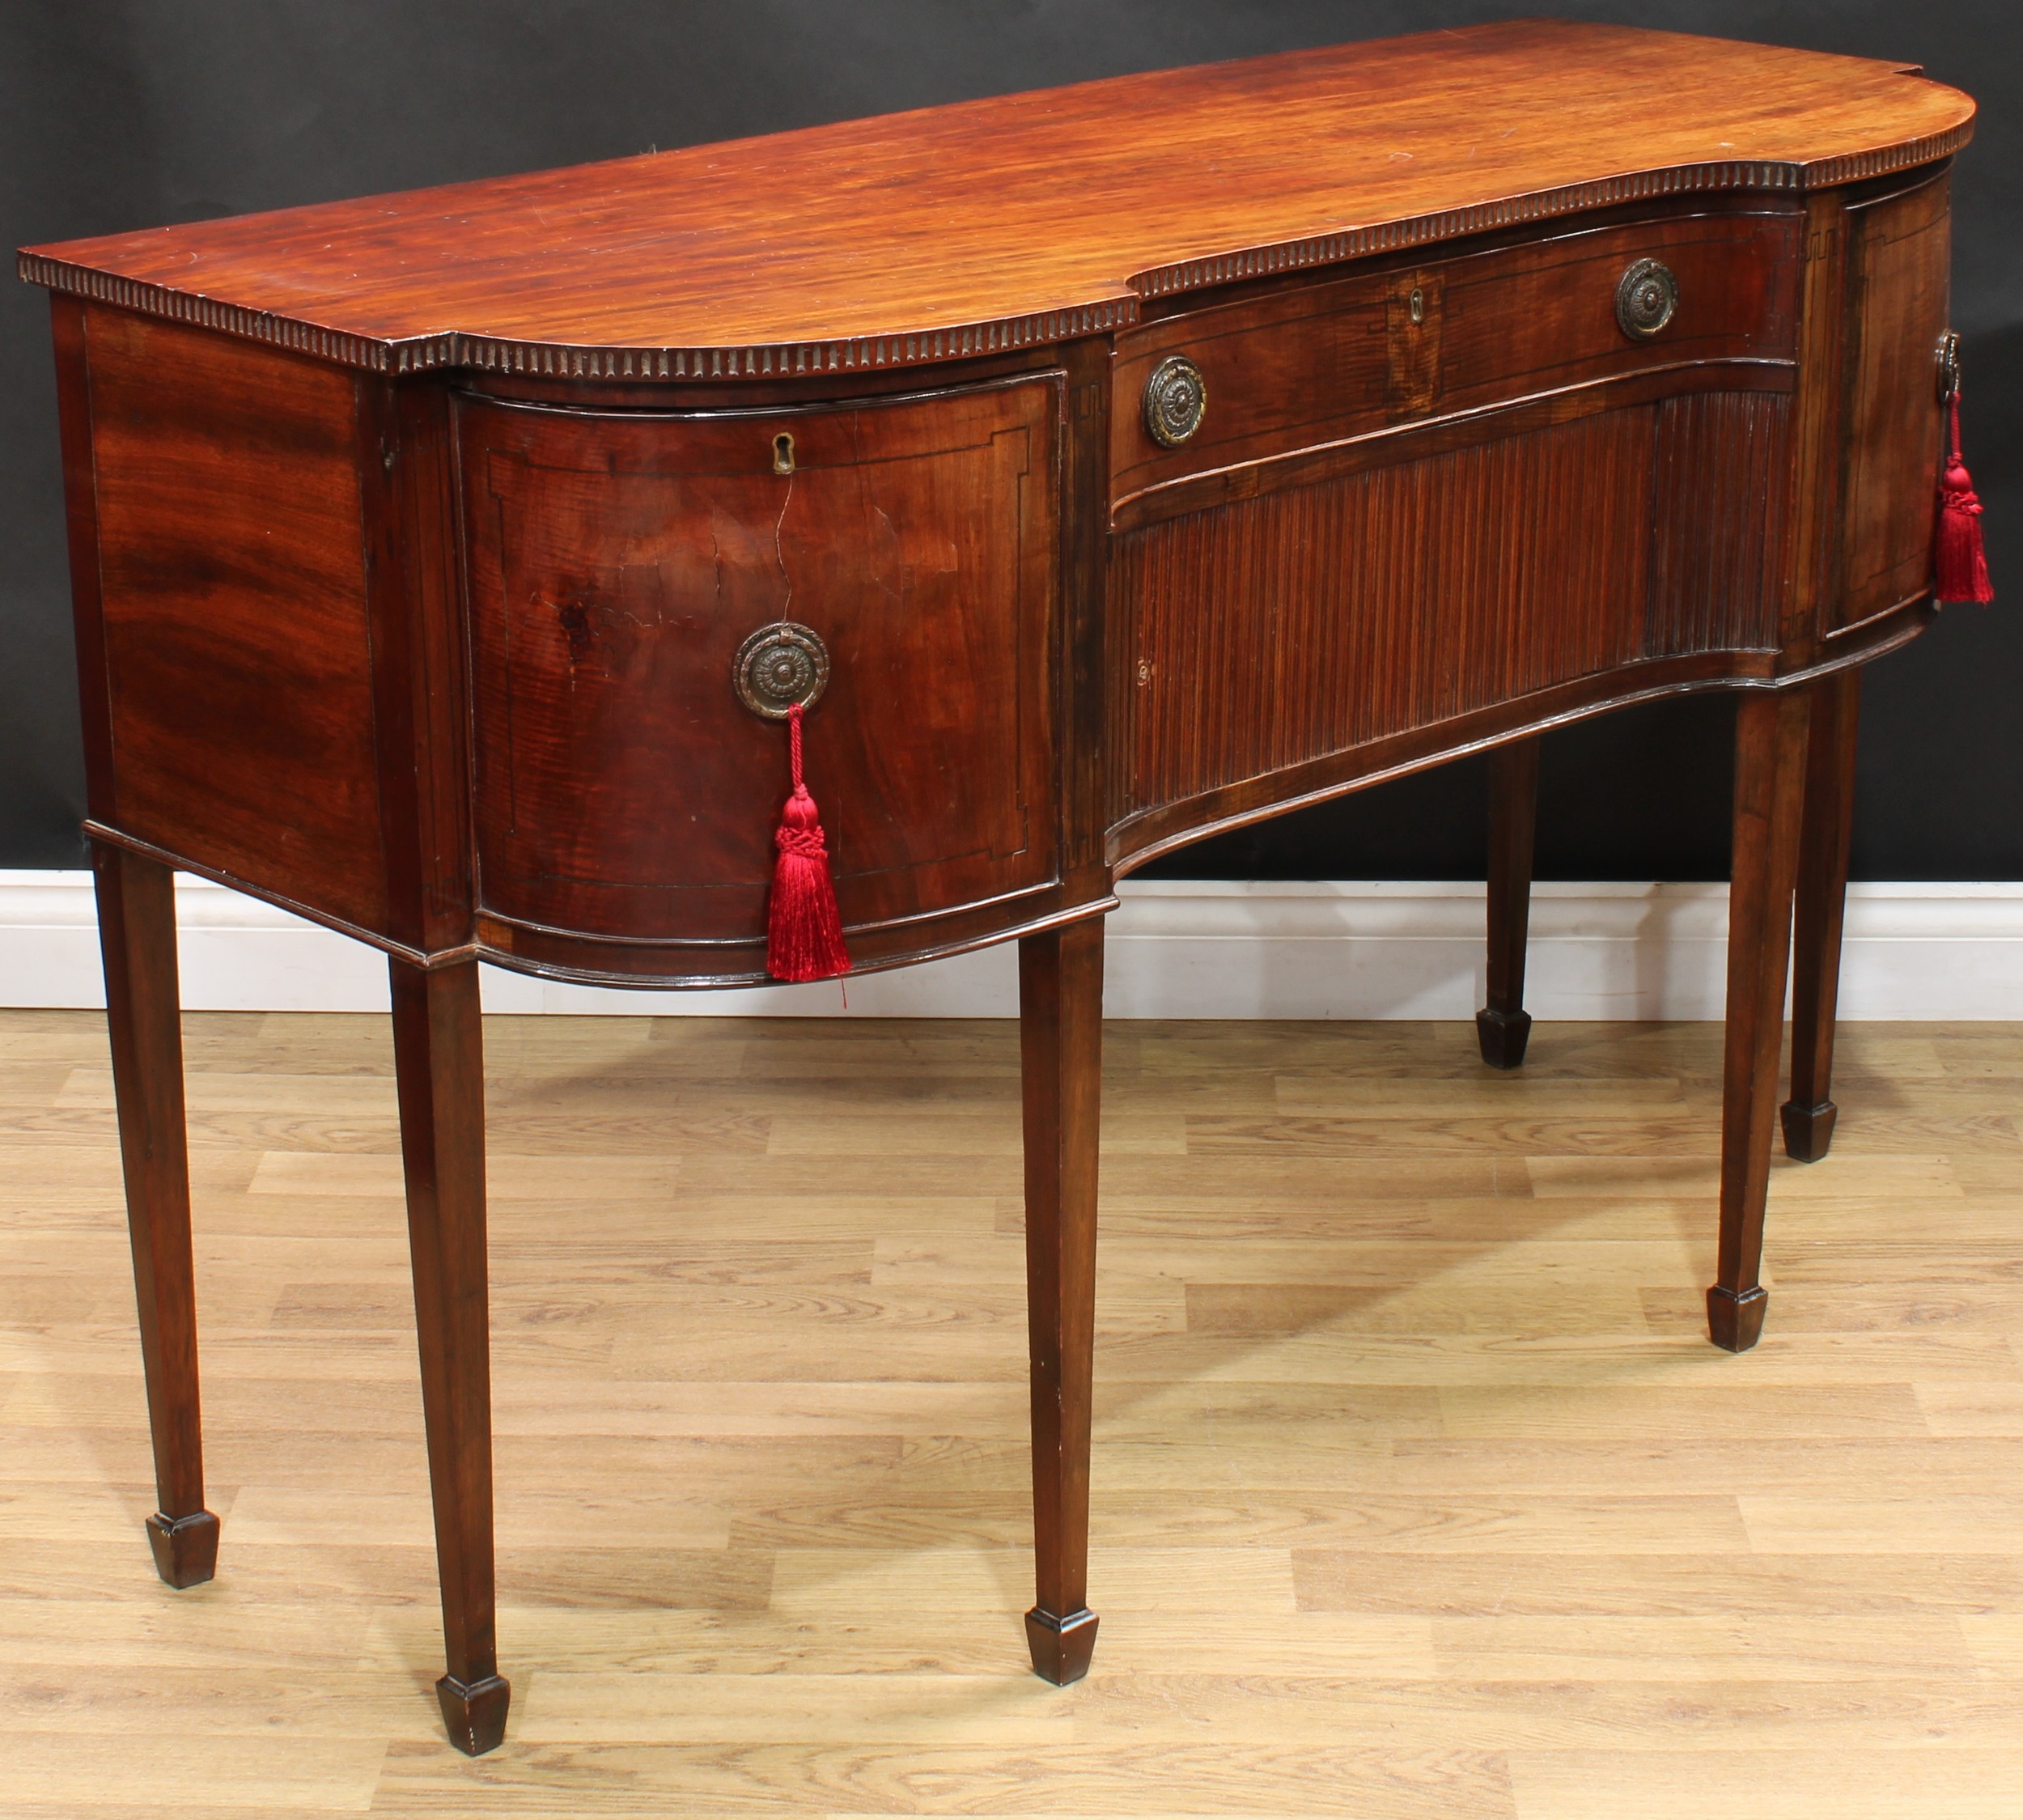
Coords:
1098,469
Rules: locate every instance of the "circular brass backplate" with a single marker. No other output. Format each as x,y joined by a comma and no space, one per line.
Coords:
1176,401
1646,296
780,668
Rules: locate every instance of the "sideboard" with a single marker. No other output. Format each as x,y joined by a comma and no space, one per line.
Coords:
1080,473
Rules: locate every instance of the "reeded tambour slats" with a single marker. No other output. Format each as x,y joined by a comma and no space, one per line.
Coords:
1721,460
1258,635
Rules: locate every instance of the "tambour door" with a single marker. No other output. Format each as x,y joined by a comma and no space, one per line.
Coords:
618,560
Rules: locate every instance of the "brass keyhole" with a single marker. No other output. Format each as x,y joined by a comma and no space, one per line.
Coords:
783,453
1417,305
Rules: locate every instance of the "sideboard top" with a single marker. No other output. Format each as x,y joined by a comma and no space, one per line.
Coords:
1024,218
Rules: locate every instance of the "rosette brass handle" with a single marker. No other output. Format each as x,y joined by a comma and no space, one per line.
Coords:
1176,401
780,668
1646,296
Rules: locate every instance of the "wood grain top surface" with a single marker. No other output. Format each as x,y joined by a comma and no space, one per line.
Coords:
1024,217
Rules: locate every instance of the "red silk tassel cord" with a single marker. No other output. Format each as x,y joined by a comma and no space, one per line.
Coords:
804,932
1960,565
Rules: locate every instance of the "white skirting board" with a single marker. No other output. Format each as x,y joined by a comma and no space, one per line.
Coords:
1176,948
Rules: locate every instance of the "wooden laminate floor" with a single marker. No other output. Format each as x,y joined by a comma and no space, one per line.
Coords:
1417,1490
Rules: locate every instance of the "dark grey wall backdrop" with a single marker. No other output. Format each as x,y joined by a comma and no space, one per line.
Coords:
133,113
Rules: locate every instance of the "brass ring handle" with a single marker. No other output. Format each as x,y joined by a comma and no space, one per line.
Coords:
780,668
1176,401
1646,296
1949,365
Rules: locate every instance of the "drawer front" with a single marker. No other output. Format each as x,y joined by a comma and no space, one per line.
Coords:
1348,358
617,562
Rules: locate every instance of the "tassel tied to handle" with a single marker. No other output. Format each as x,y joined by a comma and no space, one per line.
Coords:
804,932
1960,564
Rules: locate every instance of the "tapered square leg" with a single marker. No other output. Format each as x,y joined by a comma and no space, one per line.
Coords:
1061,1048
1735,1322
1502,1026
143,1014
1502,1036
438,1059
474,1717
185,1549
1769,756
1808,1130
1061,1648
1821,902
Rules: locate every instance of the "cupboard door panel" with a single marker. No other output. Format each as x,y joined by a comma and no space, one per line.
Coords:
618,562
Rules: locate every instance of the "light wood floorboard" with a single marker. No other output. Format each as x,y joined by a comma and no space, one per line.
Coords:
1419,1491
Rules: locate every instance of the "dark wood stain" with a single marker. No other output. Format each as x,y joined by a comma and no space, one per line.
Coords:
1502,1026
231,586
1061,1049
136,934
1819,905
1770,764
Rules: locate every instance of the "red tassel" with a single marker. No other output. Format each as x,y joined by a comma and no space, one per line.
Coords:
1961,560
803,933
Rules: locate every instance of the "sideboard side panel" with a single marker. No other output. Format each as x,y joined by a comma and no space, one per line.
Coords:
231,573
1899,251
80,511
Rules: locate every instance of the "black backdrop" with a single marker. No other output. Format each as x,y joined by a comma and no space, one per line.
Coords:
133,113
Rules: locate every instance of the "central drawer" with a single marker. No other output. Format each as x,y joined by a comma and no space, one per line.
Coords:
1348,358
620,561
